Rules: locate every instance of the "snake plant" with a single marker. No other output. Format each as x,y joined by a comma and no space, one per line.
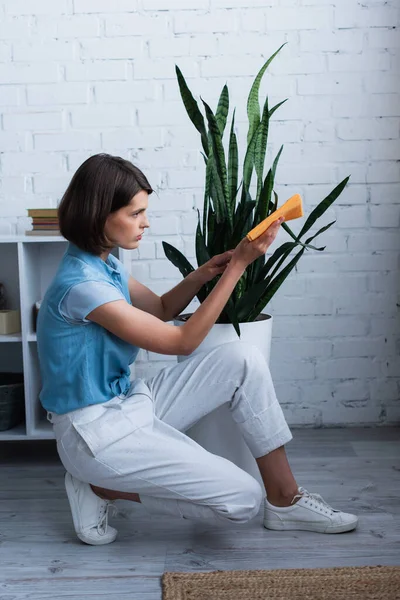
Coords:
230,211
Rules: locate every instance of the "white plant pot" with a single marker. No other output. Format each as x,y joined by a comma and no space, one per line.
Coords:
217,432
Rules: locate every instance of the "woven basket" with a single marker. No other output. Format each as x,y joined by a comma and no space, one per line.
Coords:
12,400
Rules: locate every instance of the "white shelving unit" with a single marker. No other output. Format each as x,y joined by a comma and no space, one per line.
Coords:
27,266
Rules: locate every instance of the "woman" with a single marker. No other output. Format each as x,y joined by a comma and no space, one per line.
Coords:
123,438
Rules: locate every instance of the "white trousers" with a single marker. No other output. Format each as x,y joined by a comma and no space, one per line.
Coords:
137,443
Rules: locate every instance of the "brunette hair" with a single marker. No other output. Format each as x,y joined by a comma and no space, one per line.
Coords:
102,185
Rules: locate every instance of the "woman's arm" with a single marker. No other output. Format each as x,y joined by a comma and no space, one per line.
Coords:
197,327
150,333
177,299
146,331
170,304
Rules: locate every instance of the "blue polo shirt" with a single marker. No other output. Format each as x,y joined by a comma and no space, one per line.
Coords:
81,362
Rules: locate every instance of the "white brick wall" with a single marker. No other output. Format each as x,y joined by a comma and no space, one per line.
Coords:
82,76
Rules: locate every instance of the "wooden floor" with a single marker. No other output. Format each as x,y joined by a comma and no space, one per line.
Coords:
357,470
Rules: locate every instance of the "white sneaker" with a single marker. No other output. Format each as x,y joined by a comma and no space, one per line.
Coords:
89,513
310,513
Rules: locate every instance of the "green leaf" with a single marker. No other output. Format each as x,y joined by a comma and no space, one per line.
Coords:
323,206
192,108
283,250
224,238
242,216
294,237
256,268
207,190
240,287
247,302
262,210
249,161
275,163
248,221
276,284
202,254
178,260
219,155
233,167
253,106
318,233
231,312
274,108
262,300
222,109
217,193
261,146
280,262
280,254
210,229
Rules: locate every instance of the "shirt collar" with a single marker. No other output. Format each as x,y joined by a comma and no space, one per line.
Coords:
93,259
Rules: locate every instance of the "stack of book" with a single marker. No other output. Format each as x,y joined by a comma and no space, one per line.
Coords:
44,221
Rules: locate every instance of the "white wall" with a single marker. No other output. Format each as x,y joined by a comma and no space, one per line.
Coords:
82,76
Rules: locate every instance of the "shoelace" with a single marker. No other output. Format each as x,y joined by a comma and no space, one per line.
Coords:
320,503
103,517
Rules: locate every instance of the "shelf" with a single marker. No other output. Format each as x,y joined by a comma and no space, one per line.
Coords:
15,433
12,337
27,268
43,431
6,239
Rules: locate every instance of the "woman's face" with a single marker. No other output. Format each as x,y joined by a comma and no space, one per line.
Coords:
124,226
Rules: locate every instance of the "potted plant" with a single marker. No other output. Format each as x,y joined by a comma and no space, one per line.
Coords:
231,209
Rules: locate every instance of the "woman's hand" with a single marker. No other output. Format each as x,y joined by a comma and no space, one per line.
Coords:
247,252
215,266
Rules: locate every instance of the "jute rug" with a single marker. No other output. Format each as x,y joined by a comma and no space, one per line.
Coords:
337,583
